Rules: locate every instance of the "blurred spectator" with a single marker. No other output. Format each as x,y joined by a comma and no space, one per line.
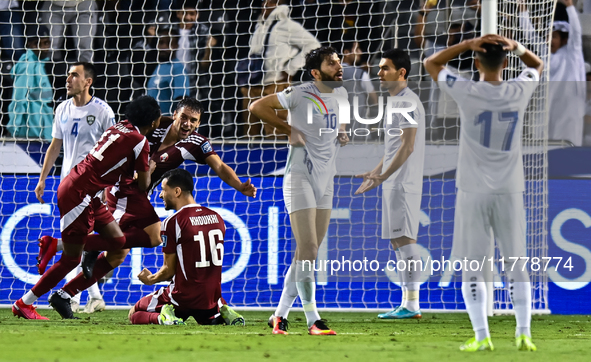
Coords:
195,43
169,82
289,42
80,16
324,19
567,93
144,55
31,112
11,30
356,80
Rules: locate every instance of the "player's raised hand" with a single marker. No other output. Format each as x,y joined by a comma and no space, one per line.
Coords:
367,183
40,190
144,277
248,189
297,138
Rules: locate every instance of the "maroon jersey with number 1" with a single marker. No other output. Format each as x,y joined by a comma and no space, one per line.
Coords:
196,234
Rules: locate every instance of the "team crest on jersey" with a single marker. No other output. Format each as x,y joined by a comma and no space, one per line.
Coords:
164,157
164,240
450,80
90,120
206,147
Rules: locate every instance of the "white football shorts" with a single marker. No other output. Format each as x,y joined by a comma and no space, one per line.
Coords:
400,214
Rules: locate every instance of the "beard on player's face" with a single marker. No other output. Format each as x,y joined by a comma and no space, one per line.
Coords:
333,80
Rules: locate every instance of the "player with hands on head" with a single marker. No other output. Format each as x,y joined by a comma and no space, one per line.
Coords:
308,185
490,179
195,289
401,173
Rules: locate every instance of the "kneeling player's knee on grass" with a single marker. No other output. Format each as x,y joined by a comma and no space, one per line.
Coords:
131,311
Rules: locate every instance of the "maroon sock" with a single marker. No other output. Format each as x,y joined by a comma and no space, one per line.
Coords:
79,283
141,317
136,238
55,274
100,243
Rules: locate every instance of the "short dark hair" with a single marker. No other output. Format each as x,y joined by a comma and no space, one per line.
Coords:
142,111
494,57
34,32
190,103
178,177
185,4
399,58
89,70
315,58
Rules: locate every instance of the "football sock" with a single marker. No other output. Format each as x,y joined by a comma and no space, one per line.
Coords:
412,275
306,286
141,317
71,275
55,274
99,243
402,281
29,298
78,284
94,292
474,293
136,238
288,294
520,291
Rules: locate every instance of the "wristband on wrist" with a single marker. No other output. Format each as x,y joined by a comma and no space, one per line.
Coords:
520,50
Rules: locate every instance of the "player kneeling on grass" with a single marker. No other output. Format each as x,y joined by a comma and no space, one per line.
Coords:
490,178
193,246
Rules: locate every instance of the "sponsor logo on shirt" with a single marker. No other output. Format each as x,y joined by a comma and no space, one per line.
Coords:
90,120
450,80
206,147
164,157
397,230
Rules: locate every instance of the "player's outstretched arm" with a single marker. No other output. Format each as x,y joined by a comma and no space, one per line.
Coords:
166,272
367,181
436,62
228,175
52,152
264,109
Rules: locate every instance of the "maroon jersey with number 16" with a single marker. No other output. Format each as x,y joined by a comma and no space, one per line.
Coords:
196,234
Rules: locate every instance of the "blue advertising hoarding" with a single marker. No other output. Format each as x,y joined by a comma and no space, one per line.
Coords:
258,246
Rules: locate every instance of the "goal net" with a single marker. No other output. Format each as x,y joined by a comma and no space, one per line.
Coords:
123,42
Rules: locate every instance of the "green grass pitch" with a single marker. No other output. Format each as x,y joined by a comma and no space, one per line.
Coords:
108,336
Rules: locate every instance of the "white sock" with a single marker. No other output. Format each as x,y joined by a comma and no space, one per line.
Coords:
412,275
94,291
60,245
306,286
474,293
29,298
402,281
288,294
71,275
520,291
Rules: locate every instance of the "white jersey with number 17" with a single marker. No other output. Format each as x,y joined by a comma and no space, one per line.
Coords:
491,115
80,129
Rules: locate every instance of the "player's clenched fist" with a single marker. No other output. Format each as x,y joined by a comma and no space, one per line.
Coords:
144,277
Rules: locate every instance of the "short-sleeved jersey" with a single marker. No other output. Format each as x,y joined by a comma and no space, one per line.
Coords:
120,151
80,129
410,175
194,148
317,159
490,157
196,234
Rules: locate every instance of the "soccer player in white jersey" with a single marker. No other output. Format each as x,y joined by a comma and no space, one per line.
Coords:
401,173
490,178
78,124
308,184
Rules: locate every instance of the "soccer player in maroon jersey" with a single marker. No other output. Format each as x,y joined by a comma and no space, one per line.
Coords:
121,150
173,142
193,254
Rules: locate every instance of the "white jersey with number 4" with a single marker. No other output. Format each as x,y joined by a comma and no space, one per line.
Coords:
80,129
490,158
318,158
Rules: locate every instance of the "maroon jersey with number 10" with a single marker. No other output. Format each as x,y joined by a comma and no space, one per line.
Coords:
196,234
